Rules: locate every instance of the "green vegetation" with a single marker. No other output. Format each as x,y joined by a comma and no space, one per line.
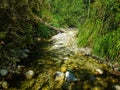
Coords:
98,22
19,28
26,44
62,13
101,31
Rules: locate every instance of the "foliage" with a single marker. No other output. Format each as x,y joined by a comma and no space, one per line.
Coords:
108,46
101,30
19,29
97,20
41,30
88,32
62,13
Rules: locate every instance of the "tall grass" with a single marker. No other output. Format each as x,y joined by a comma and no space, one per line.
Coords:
88,32
106,45
101,30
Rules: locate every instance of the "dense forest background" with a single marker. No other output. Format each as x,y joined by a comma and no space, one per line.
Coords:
22,25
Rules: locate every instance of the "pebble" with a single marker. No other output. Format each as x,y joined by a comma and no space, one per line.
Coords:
3,72
116,87
5,85
59,76
70,77
99,71
29,74
65,58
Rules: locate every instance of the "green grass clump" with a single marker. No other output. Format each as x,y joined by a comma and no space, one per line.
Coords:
104,43
108,46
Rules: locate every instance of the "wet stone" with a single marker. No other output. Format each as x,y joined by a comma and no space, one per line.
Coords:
99,71
69,77
59,76
116,87
3,72
29,74
5,85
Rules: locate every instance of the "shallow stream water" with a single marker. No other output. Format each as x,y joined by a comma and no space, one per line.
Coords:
62,55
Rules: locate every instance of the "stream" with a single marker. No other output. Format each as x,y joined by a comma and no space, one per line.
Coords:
63,66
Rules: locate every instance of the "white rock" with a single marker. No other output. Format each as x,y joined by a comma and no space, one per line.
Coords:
65,58
63,39
70,77
29,74
85,51
116,87
59,76
100,71
5,85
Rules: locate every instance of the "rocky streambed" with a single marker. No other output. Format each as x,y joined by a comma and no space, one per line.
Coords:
64,66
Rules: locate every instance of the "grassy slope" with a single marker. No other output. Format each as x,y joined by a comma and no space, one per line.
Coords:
101,31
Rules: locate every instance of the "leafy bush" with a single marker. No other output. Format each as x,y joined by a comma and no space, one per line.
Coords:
63,13
43,31
18,33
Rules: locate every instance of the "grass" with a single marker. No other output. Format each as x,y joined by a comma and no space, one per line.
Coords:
104,43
